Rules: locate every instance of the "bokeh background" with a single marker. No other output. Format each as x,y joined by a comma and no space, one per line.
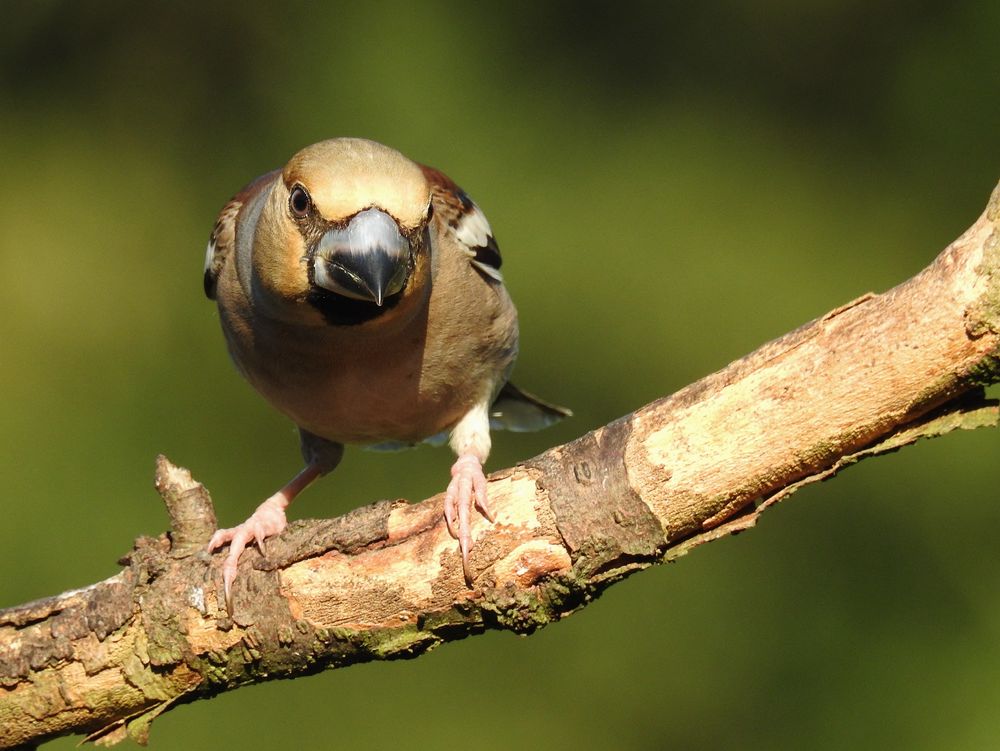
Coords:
672,184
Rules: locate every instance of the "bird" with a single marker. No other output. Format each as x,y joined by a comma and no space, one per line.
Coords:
360,293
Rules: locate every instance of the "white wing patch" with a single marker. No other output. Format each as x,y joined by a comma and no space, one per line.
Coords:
473,229
209,255
474,232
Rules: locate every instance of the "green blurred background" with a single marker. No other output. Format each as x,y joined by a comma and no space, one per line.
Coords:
672,184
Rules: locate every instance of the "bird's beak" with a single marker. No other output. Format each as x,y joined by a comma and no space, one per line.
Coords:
367,260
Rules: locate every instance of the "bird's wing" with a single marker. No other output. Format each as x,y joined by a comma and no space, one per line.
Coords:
512,409
521,412
466,222
223,238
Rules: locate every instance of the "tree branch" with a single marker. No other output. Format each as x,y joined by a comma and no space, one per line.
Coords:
385,581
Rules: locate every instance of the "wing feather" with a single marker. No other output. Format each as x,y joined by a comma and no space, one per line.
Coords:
466,221
223,238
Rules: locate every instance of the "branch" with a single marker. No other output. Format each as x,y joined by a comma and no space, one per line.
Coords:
385,581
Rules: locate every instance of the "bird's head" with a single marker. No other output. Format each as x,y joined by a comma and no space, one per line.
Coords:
348,219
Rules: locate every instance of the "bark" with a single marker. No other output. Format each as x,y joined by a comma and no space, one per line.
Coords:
385,581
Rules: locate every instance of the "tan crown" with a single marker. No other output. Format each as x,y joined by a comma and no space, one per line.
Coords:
347,175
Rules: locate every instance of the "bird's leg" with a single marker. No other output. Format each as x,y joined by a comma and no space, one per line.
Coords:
267,521
470,440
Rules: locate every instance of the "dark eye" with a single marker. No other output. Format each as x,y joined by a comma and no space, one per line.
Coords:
299,201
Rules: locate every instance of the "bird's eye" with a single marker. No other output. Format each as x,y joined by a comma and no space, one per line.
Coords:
299,201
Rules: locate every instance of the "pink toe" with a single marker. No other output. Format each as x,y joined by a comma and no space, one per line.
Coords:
218,540
479,483
449,513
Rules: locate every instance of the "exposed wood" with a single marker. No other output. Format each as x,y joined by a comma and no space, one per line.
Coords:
385,581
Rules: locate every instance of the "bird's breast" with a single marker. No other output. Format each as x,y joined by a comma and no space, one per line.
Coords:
350,385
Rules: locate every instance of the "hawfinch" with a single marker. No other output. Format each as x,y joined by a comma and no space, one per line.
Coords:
360,293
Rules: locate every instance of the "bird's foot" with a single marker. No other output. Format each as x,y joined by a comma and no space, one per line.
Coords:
267,521
467,488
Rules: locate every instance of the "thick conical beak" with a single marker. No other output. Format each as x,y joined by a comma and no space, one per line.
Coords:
368,260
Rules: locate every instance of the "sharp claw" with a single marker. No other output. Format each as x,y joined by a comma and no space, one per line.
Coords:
463,544
229,568
227,585
259,539
466,572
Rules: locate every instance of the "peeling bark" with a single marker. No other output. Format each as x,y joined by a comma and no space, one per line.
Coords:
385,581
